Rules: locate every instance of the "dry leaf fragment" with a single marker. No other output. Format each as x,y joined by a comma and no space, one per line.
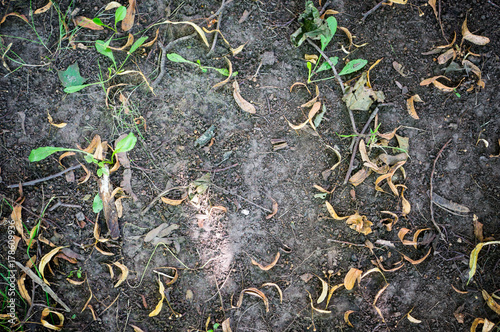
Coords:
299,83
22,17
446,56
86,22
487,325
124,274
478,228
475,39
418,261
449,205
130,41
277,288
172,201
360,176
475,69
311,58
275,209
491,302
254,292
330,293
324,292
346,317
406,207
58,125
22,288
45,260
351,277
44,8
112,5
48,325
136,329
316,309
359,223
226,325
242,103
389,222
128,21
432,3
16,216
160,303
312,112
388,177
399,68
412,319
267,267
332,212
196,27
411,107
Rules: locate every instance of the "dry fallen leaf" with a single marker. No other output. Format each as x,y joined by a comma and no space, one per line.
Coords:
324,291
22,288
160,303
196,27
242,103
351,277
267,267
312,112
46,312
412,319
58,125
86,22
411,107
491,302
359,223
22,17
277,288
475,39
226,325
253,292
487,325
418,261
360,176
275,209
316,309
124,274
346,317
330,293
45,260
437,84
432,3
128,21
44,8
389,222
112,5
478,229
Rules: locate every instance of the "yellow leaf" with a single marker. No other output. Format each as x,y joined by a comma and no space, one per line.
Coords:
150,43
411,107
330,293
130,41
22,17
432,3
58,125
316,309
418,261
45,260
487,325
475,39
112,5
359,223
346,317
413,320
401,2
333,213
22,288
474,255
311,58
267,267
197,28
351,277
160,304
324,292
404,202
491,302
238,50
228,78
17,218
48,325
128,21
254,292
275,286
378,295
417,233
226,325
44,8
360,176
124,274
242,103
172,201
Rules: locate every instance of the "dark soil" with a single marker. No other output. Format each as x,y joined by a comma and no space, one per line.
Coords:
212,249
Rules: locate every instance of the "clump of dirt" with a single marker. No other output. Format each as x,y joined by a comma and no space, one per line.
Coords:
250,191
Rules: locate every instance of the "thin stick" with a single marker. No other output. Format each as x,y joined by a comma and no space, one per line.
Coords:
347,243
241,197
44,286
431,189
50,177
164,50
327,59
368,13
219,18
355,150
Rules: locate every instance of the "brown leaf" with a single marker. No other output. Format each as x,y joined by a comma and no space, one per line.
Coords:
411,107
491,302
45,260
388,177
346,317
130,41
112,5
267,267
150,43
124,274
253,292
58,125
475,39
360,223
44,8
330,293
418,261
196,27
360,176
228,78
417,233
22,17
478,229
128,21
46,312
277,288
86,22
242,103
433,5
17,218
487,325
226,325
22,288
311,102
275,209
351,277
412,319
389,222
172,201
299,84
332,212
75,282
446,56
312,112
449,205
401,235
404,202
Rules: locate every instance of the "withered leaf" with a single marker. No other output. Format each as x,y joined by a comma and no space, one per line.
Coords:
410,106
277,288
449,205
46,312
312,112
124,274
86,22
254,292
45,260
351,277
58,125
44,8
418,261
242,103
128,21
491,302
346,317
269,266
487,325
160,303
478,229
316,309
275,209
22,17
446,56
413,320
330,293
475,39
324,291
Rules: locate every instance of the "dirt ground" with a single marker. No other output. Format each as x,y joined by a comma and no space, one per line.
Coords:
216,233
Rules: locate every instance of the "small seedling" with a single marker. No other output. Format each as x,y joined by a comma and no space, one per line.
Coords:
120,14
78,273
174,57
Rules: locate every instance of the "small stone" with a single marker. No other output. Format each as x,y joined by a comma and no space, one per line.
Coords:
80,216
245,212
189,295
354,258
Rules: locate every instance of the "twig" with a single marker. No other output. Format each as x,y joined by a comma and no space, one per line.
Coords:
219,18
431,188
50,177
327,59
157,198
347,243
58,204
44,286
355,150
164,50
242,198
368,13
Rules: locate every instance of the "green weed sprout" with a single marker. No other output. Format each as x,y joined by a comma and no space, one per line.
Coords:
120,14
174,57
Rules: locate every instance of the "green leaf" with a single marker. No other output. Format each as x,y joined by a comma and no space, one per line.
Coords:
216,325
98,21
120,14
326,38
320,195
222,71
126,144
45,151
73,89
137,44
473,258
326,66
97,205
174,57
88,158
102,47
99,172
353,66
71,76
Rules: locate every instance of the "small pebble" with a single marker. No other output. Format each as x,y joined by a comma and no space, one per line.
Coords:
245,212
80,216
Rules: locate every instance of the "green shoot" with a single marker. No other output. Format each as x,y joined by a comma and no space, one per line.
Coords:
97,204
174,57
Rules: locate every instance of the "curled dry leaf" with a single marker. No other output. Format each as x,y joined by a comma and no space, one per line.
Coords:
136,329
351,38
475,39
437,84
51,121
22,288
128,21
375,269
359,223
390,135
87,23
332,212
22,17
242,103
299,84
330,293
315,108
475,69
229,75
413,320
324,291
379,293
491,302
446,56
75,282
48,325
267,267
275,209
389,222
406,206
151,43
346,317
226,325
311,58
401,235
418,261
478,229
197,28
337,153
112,5
417,233
316,309
388,177
360,176
253,292
169,201
160,303
44,8
277,288
45,260
410,106
16,216
124,274
487,325
311,102
130,41
351,277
